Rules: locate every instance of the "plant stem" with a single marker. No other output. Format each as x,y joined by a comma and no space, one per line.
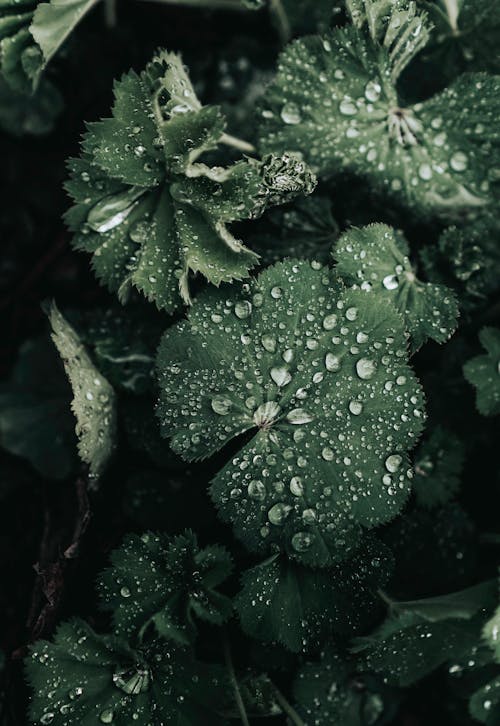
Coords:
237,143
234,683
287,708
110,13
281,18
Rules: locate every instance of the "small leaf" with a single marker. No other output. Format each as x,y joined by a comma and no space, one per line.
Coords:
54,21
375,258
438,466
20,57
317,376
34,114
282,602
93,397
483,372
166,581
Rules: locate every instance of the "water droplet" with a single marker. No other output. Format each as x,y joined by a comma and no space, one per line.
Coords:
125,592
330,322
309,516
106,716
290,113
355,407
393,462
332,362
276,293
372,91
327,454
296,486
243,309
132,680
365,368
347,107
425,172
351,313
278,513
47,718
256,490
269,343
458,161
390,282
299,416
221,405
281,376
301,541
111,211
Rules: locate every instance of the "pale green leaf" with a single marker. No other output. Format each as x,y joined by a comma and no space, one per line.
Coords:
54,21
93,397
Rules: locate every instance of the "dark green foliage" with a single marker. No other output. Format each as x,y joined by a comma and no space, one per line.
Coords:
249,453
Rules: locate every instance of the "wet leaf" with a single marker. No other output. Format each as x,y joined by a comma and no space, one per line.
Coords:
316,378
83,678
167,582
148,210
375,259
335,100
438,466
93,397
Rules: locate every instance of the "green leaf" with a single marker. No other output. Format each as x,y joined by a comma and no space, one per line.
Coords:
20,57
84,678
35,416
421,635
93,397
467,258
375,258
168,582
282,602
438,466
317,377
335,100
331,692
483,372
463,604
54,21
485,703
148,210
465,35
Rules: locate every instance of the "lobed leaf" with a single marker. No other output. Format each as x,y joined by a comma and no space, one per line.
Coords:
335,100
375,259
167,582
316,377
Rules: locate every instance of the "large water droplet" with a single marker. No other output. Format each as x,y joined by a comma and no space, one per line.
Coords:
301,541
290,113
113,210
278,513
281,376
458,161
330,322
132,680
365,368
269,343
372,91
348,107
390,282
299,416
243,309
266,413
332,362
256,490
221,405
296,486
355,407
393,462
106,716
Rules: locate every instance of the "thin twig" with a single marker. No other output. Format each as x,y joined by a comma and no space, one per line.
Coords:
287,708
236,143
234,683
